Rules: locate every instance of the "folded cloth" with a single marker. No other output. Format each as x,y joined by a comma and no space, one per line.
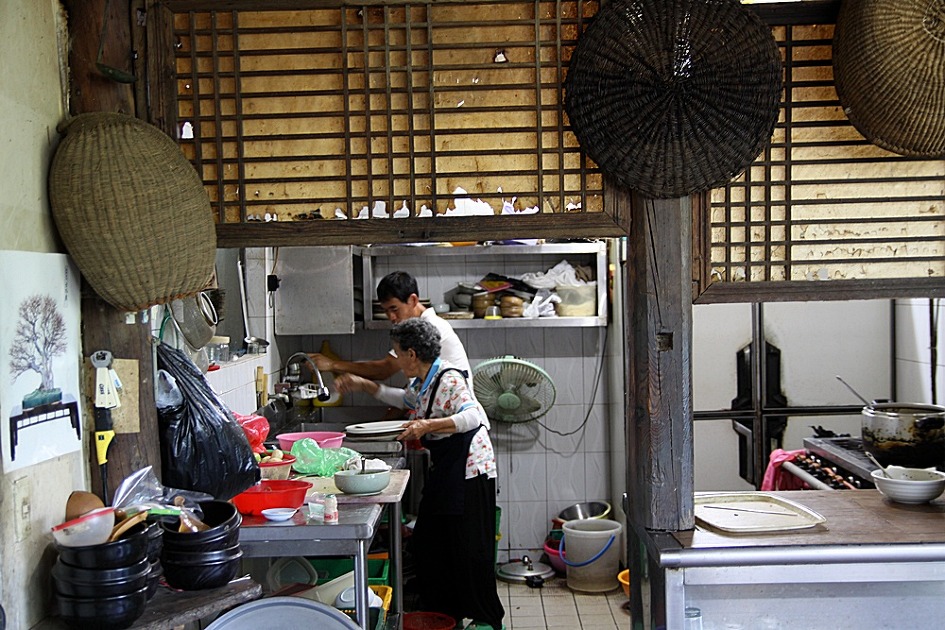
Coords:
778,479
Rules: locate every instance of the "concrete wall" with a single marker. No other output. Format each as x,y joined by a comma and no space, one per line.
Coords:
31,105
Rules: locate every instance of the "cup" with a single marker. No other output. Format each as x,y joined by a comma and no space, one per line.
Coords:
493,312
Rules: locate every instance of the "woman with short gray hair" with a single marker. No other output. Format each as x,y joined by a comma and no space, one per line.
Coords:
456,523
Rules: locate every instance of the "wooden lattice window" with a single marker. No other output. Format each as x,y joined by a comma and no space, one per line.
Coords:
823,204
305,113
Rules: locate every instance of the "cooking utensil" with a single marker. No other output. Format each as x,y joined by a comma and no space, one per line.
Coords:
125,525
905,434
873,459
855,393
188,522
256,343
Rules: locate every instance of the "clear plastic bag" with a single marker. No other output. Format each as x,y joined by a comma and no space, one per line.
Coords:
311,459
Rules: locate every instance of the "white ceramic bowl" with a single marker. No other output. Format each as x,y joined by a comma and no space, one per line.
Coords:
356,482
279,514
909,485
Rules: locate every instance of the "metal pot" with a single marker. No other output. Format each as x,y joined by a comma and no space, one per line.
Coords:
905,434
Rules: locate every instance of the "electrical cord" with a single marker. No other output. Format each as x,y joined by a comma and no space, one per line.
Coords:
590,407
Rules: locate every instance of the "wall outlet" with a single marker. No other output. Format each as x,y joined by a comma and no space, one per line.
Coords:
21,507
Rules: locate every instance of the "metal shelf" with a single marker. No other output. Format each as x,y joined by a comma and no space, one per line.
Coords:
596,248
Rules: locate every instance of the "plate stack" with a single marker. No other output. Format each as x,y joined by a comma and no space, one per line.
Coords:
384,431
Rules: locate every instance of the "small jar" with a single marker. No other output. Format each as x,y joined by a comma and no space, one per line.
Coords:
331,508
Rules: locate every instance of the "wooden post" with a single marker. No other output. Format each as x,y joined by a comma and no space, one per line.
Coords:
658,330
103,326
659,353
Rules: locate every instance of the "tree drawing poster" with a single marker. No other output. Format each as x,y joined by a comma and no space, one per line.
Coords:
40,356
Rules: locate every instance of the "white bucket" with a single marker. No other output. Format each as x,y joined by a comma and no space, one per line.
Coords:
590,549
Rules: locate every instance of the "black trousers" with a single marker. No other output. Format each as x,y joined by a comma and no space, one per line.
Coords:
456,558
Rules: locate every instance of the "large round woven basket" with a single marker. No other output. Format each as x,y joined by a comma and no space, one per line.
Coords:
889,69
131,211
673,97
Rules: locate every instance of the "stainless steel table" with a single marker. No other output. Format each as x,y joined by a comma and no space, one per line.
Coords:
350,536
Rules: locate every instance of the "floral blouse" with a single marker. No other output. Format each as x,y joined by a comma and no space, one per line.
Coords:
454,399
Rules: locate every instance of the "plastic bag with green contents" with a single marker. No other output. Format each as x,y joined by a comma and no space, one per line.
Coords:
311,459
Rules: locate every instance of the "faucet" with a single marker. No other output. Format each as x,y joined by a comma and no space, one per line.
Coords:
322,392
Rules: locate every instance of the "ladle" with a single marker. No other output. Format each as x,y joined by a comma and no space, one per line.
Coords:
855,393
881,467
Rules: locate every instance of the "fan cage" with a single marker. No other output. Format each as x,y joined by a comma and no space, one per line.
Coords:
513,390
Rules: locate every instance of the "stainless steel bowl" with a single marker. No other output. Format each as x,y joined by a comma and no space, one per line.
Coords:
591,509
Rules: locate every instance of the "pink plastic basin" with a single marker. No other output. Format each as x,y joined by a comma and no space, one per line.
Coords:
554,557
325,439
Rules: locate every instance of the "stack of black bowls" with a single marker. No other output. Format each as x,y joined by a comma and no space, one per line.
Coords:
155,542
206,559
104,586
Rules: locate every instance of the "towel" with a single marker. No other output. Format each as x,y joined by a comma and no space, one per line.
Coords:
776,478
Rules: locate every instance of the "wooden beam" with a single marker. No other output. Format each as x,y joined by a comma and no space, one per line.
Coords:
802,291
416,230
103,326
659,360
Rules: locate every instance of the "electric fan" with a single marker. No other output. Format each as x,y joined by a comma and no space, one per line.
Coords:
513,390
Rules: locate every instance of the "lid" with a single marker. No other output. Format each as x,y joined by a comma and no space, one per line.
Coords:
521,570
284,613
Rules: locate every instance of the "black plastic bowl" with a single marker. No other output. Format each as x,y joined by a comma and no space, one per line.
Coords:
199,557
154,577
103,613
155,540
222,517
224,539
127,551
195,577
76,582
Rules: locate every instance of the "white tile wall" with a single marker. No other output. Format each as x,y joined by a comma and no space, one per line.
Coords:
913,360
540,473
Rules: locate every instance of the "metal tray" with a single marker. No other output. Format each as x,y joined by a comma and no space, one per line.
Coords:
745,512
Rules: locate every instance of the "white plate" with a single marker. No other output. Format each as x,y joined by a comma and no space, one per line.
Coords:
741,512
376,428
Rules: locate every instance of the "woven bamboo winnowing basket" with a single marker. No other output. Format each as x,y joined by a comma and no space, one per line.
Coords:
673,97
889,70
131,211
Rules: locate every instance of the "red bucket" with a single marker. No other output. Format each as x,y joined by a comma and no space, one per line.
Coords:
428,621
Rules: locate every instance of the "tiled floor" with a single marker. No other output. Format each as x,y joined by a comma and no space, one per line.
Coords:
554,605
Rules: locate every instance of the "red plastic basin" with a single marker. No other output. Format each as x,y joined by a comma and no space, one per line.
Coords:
325,439
271,493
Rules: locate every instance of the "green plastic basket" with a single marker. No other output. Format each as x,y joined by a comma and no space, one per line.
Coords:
330,568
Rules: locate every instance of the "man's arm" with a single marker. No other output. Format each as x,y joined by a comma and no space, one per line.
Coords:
378,370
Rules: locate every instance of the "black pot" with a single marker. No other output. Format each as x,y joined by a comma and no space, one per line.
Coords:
195,577
154,578
155,541
103,613
222,517
224,539
199,557
127,551
99,583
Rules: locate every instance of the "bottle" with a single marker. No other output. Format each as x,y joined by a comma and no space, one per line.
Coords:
693,618
331,508
336,399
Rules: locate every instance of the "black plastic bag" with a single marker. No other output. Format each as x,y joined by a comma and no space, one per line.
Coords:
202,446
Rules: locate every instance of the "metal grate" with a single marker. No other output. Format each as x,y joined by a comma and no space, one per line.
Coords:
303,114
821,203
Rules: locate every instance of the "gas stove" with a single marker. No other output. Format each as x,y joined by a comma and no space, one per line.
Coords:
836,463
